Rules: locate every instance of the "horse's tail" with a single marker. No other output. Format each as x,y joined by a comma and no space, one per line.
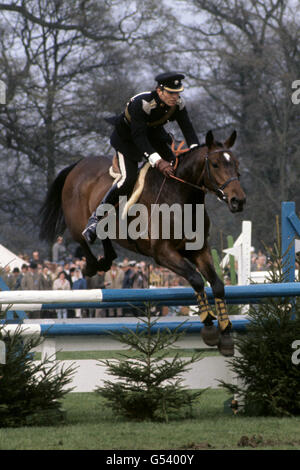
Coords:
51,213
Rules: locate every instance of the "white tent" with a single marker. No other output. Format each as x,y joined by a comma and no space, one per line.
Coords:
7,257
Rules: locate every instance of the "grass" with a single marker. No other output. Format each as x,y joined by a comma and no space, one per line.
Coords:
91,425
113,354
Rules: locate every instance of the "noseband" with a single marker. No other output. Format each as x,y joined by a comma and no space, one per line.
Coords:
218,190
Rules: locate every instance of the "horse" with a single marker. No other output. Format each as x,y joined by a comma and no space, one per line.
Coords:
212,167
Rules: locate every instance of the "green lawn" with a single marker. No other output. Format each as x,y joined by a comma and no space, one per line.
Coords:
77,355
113,354
91,425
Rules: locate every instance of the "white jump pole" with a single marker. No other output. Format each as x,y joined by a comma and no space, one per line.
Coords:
51,296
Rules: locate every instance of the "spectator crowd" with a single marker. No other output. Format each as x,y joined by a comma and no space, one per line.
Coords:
65,272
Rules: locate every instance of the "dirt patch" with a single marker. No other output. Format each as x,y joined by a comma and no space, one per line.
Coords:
258,441
197,446
253,441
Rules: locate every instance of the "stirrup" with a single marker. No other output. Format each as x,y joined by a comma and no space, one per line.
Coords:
89,233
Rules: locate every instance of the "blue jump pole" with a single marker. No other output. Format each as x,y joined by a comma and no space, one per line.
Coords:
290,228
239,323
110,298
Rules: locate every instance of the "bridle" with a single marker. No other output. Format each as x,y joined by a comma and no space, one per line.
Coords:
218,190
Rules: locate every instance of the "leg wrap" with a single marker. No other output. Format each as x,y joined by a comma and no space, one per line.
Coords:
205,311
223,318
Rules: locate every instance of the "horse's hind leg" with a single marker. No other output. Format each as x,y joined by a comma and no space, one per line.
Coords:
104,264
204,263
92,263
168,257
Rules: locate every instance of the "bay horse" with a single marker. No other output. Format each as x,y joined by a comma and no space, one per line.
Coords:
78,189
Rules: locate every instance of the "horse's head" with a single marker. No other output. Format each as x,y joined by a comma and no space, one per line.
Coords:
220,173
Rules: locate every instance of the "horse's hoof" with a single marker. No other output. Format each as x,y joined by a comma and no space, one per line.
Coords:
226,344
89,271
104,264
210,335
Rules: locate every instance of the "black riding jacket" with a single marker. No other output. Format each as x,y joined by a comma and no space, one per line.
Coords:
144,118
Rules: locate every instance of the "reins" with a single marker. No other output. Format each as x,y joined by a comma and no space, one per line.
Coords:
177,152
186,182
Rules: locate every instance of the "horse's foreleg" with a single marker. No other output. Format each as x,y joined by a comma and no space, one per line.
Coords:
203,261
167,256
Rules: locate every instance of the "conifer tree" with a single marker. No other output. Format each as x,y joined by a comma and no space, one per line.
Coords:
268,377
30,391
149,385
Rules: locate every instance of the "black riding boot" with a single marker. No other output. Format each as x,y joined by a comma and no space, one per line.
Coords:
89,232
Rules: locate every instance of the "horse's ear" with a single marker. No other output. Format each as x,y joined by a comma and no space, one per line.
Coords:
209,140
230,142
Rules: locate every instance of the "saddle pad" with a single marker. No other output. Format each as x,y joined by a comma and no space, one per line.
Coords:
114,170
115,173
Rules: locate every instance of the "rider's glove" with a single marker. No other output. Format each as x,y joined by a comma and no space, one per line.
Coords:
165,167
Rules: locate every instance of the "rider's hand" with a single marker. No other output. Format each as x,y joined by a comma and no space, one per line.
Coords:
165,167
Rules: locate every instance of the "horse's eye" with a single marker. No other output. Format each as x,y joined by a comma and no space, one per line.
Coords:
215,165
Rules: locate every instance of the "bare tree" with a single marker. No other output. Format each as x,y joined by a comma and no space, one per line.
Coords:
65,65
245,55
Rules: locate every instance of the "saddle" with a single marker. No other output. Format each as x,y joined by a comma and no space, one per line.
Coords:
115,173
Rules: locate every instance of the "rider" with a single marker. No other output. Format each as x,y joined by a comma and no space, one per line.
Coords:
139,133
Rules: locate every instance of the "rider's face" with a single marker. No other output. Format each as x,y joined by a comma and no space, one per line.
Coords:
169,98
